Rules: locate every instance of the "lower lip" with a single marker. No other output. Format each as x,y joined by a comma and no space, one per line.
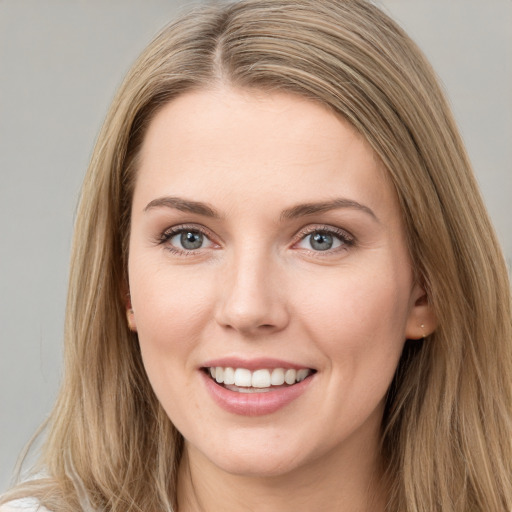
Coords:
254,404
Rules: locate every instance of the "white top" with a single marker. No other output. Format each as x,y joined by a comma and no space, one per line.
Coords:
23,505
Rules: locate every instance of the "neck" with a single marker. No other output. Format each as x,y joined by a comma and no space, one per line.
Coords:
351,483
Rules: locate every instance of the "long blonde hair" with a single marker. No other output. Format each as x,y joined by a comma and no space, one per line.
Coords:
446,434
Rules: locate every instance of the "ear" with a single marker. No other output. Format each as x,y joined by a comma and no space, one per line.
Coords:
130,315
422,320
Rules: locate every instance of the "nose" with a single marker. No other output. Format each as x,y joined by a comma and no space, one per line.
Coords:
252,298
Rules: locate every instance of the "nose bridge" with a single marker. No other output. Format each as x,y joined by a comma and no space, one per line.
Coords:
252,298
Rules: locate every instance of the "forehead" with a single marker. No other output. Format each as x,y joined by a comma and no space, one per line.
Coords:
283,148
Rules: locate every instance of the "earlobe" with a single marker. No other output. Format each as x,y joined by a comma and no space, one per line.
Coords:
422,320
130,317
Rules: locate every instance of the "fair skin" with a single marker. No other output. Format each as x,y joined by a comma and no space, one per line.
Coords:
228,268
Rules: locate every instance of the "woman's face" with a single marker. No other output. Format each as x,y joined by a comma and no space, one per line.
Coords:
266,242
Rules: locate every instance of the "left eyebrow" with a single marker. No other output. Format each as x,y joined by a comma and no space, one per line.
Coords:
302,210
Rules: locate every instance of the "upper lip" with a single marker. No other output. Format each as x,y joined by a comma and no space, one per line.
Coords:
253,364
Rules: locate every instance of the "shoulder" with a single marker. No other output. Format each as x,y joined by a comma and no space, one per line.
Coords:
23,505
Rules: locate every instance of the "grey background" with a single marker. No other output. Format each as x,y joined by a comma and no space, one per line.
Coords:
60,63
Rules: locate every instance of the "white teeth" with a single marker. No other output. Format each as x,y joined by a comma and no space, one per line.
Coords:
229,376
243,377
290,376
301,375
277,377
259,379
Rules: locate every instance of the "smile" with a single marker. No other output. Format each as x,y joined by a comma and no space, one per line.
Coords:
262,380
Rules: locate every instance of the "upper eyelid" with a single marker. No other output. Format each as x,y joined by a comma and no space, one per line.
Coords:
184,227
167,234
307,230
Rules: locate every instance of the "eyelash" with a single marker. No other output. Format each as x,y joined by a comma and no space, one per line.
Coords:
346,239
168,234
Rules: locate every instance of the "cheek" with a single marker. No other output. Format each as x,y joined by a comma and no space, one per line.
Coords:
358,318
172,307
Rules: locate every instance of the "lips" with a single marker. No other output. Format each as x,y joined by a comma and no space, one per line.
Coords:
254,388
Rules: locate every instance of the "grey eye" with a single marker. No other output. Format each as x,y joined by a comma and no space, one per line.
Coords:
321,241
191,240
188,240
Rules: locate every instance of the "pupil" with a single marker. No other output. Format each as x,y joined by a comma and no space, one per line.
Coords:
191,240
321,241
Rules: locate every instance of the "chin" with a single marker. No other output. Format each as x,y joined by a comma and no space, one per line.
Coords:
259,467
260,461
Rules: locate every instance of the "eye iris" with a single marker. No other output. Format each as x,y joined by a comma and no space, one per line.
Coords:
191,240
321,241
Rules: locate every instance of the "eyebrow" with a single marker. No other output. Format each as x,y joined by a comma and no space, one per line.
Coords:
303,210
184,205
300,210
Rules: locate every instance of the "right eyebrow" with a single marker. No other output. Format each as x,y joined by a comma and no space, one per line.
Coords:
184,205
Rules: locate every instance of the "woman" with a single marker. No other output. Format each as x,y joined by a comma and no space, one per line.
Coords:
285,289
